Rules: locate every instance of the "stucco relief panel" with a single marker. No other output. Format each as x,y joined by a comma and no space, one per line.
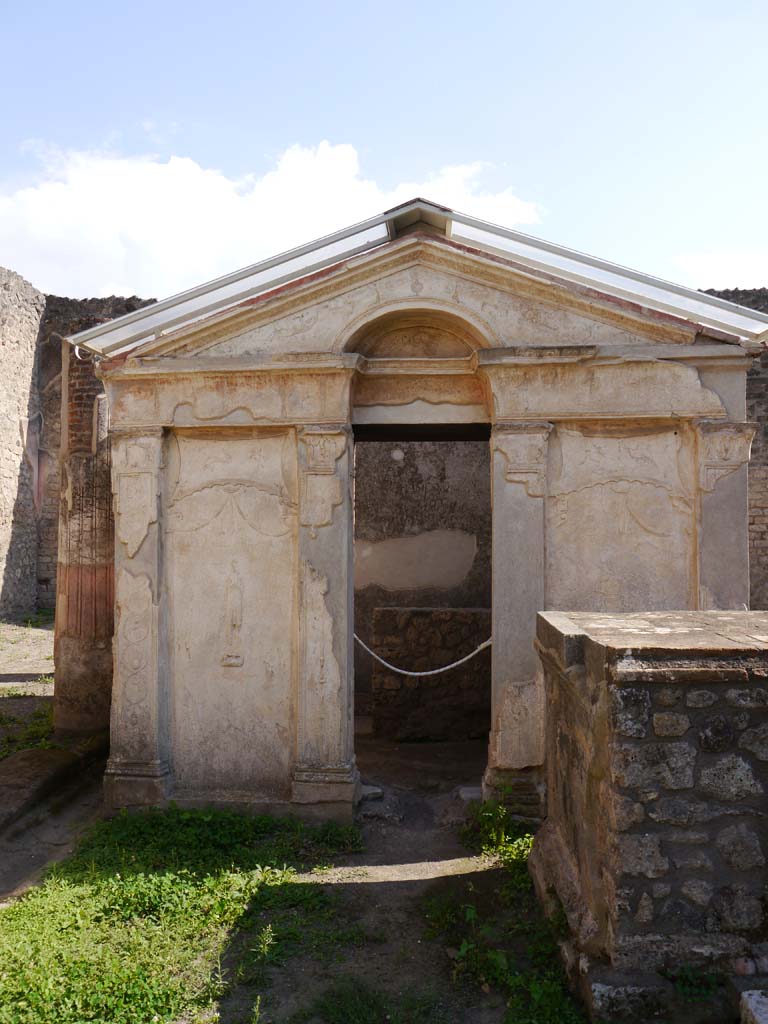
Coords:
723,448
231,532
135,468
524,454
135,653
607,389
323,706
240,399
321,487
620,519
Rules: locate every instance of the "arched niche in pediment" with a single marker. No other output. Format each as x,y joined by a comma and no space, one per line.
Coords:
416,333
418,367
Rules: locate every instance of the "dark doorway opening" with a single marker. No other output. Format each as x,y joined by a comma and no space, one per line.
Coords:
422,601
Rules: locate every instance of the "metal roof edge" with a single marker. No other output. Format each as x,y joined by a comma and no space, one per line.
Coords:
395,220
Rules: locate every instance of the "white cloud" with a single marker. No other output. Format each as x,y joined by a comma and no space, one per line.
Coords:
97,223
724,268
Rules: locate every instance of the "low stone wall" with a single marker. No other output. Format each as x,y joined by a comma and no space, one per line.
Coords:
657,766
452,705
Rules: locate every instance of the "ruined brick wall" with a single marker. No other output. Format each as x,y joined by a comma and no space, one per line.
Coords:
757,411
21,311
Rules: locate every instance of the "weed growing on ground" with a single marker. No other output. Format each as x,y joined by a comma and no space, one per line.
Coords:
514,951
353,1002
36,731
134,925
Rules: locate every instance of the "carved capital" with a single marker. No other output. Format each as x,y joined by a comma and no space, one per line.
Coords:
524,449
723,448
321,449
136,463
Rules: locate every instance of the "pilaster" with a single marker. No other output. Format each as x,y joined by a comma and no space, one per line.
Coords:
137,771
723,513
519,471
325,772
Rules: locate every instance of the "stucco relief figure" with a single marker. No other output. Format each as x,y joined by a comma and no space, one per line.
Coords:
232,656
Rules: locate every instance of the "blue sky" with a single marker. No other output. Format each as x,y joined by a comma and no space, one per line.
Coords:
150,146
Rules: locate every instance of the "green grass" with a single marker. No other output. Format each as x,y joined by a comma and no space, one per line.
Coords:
135,926
42,617
500,940
353,1002
36,731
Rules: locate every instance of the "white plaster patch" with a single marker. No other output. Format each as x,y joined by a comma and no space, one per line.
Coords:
437,558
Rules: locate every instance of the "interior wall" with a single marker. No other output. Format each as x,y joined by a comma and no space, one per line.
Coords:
422,542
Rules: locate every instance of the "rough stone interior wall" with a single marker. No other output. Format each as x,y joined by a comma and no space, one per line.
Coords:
757,411
21,310
422,540
452,705
49,391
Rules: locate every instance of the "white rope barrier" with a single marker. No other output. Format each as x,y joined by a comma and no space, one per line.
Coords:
432,672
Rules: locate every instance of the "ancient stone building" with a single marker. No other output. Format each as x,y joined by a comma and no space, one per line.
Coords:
618,446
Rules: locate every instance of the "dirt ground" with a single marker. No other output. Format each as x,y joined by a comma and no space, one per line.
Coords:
412,852
410,824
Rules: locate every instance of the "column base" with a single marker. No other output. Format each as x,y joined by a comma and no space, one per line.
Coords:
522,790
136,784
328,792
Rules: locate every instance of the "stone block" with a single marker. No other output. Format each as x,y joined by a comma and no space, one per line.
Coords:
670,723
641,855
730,778
631,711
740,848
756,741
700,699
669,764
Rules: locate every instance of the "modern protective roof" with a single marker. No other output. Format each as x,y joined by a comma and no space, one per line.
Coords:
532,254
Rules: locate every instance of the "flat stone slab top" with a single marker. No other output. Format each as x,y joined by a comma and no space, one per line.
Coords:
703,632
